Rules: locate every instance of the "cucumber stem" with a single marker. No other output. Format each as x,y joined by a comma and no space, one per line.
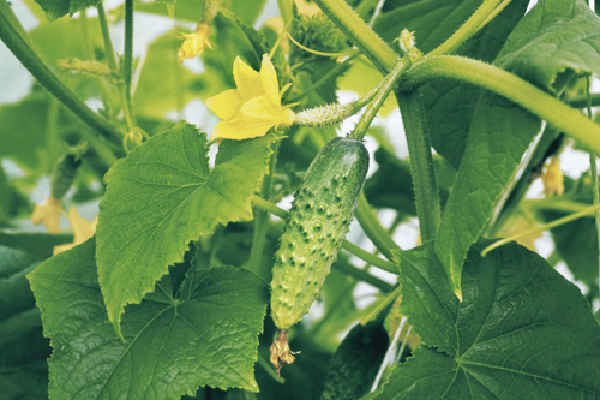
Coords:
384,89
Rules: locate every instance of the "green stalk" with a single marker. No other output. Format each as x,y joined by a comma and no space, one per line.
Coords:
582,102
265,205
108,46
261,221
544,227
362,275
128,62
519,91
21,49
370,224
359,32
486,11
386,86
418,137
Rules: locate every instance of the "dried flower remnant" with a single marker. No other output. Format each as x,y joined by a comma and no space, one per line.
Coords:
280,351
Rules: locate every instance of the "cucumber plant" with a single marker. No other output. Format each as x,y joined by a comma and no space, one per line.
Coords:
197,283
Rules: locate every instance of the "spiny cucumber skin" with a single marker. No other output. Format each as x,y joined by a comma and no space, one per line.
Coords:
65,173
356,362
317,223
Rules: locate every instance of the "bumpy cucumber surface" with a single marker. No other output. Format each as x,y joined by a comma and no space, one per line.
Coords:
356,362
317,223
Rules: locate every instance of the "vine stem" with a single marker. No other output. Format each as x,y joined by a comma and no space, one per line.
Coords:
128,62
485,13
519,91
373,107
544,227
370,224
263,204
17,44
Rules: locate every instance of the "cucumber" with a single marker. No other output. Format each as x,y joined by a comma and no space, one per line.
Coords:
317,223
64,174
356,362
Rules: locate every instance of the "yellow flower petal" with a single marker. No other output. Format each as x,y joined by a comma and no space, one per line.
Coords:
246,79
268,78
225,104
48,214
240,129
82,230
261,108
195,43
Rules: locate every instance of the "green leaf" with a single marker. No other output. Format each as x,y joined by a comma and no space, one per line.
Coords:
391,185
23,349
38,246
57,8
521,331
450,104
501,132
172,345
165,188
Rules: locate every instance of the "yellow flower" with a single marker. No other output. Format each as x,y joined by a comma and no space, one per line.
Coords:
82,231
195,43
254,107
48,214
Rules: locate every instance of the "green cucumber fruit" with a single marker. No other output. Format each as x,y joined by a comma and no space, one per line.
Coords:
64,174
356,362
317,223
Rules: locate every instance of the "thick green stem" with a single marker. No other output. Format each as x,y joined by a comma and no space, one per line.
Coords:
21,49
379,236
359,32
519,91
424,178
372,259
582,102
261,221
470,27
362,275
386,86
263,204
108,47
128,61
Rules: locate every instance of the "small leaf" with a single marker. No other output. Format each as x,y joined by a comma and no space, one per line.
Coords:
521,331
161,197
172,345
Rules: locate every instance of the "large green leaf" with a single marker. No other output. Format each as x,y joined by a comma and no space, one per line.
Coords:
432,21
501,132
172,345
161,197
58,8
450,104
522,331
23,349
